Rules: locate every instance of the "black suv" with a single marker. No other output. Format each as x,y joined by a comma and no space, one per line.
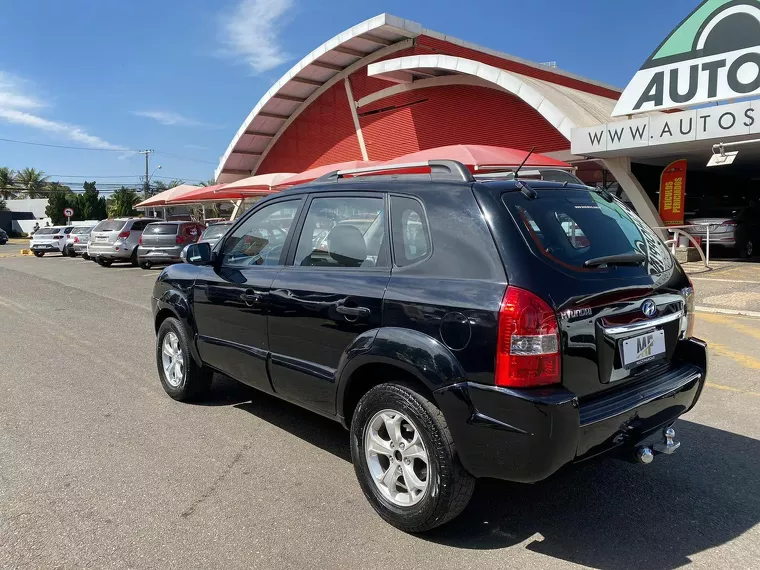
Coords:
459,328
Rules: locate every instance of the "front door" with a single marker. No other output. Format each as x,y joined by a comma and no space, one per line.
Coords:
232,296
331,292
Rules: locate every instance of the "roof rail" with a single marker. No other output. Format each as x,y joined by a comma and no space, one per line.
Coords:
439,170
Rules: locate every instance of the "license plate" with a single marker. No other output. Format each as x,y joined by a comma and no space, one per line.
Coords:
643,348
101,239
156,253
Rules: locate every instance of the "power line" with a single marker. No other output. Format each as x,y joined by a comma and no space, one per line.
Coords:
185,158
68,147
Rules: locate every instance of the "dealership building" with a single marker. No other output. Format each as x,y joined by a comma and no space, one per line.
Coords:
388,87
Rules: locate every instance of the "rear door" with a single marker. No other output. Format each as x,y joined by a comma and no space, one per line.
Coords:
232,297
107,232
160,235
618,319
330,292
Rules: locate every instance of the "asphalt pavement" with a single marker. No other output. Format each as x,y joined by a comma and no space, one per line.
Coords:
100,469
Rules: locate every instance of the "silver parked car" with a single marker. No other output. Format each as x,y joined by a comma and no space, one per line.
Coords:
162,242
50,240
76,244
117,240
214,233
737,227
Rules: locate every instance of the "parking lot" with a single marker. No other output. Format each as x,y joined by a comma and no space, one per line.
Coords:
100,469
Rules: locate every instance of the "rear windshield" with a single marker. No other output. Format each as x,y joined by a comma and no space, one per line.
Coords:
716,213
160,229
45,231
570,226
109,226
81,230
215,231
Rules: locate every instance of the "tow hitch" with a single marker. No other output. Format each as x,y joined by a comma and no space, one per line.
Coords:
668,446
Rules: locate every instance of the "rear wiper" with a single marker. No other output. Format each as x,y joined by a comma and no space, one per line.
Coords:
619,259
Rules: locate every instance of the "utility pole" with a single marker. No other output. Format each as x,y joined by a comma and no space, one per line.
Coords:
147,172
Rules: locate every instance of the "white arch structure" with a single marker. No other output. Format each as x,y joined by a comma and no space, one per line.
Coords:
321,69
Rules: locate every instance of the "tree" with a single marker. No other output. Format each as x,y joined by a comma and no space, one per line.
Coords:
90,206
33,181
209,182
160,185
7,183
123,202
59,198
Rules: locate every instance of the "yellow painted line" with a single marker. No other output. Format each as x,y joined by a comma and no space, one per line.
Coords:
731,389
733,322
743,359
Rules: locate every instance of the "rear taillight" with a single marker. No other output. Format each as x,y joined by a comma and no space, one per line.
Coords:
730,223
527,354
180,239
57,237
124,235
687,321
76,239
139,241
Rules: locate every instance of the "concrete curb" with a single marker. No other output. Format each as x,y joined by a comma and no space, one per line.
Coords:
738,312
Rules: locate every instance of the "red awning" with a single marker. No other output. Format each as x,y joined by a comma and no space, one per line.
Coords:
163,198
207,194
479,158
314,173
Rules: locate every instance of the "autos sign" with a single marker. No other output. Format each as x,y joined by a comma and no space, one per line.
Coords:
716,122
713,55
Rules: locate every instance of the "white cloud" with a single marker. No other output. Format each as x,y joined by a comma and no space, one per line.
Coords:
170,118
15,107
251,30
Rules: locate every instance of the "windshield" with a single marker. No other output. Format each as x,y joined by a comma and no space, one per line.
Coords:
109,226
161,229
215,231
569,227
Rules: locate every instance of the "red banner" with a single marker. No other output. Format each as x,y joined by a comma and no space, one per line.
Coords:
672,193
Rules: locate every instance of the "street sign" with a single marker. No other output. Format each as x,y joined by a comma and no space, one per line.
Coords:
68,212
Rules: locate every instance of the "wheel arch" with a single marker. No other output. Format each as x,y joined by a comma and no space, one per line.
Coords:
394,354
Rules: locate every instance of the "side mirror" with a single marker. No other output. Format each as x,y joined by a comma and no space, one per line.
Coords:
196,254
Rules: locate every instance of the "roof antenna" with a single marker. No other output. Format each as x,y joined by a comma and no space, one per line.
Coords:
517,172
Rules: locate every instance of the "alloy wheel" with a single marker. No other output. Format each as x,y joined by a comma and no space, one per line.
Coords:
173,359
397,459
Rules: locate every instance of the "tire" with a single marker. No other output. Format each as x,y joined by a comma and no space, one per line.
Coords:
85,257
105,262
38,253
194,381
133,258
448,486
747,249
72,253
145,265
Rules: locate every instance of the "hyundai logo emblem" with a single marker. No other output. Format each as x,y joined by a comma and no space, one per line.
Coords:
649,308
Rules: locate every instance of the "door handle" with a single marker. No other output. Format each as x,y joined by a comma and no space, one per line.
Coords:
250,297
353,311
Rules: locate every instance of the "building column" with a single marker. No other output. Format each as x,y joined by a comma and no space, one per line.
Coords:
620,168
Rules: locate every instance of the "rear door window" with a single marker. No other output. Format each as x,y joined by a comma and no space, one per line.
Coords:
160,229
109,226
568,227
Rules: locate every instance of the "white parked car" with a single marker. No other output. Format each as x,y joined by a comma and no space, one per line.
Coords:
50,240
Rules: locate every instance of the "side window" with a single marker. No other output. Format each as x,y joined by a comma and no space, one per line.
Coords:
411,239
343,232
260,239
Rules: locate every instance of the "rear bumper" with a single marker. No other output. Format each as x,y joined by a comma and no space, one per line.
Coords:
527,435
159,255
80,247
114,251
45,247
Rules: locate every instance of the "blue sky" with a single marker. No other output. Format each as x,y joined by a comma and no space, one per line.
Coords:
180,76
